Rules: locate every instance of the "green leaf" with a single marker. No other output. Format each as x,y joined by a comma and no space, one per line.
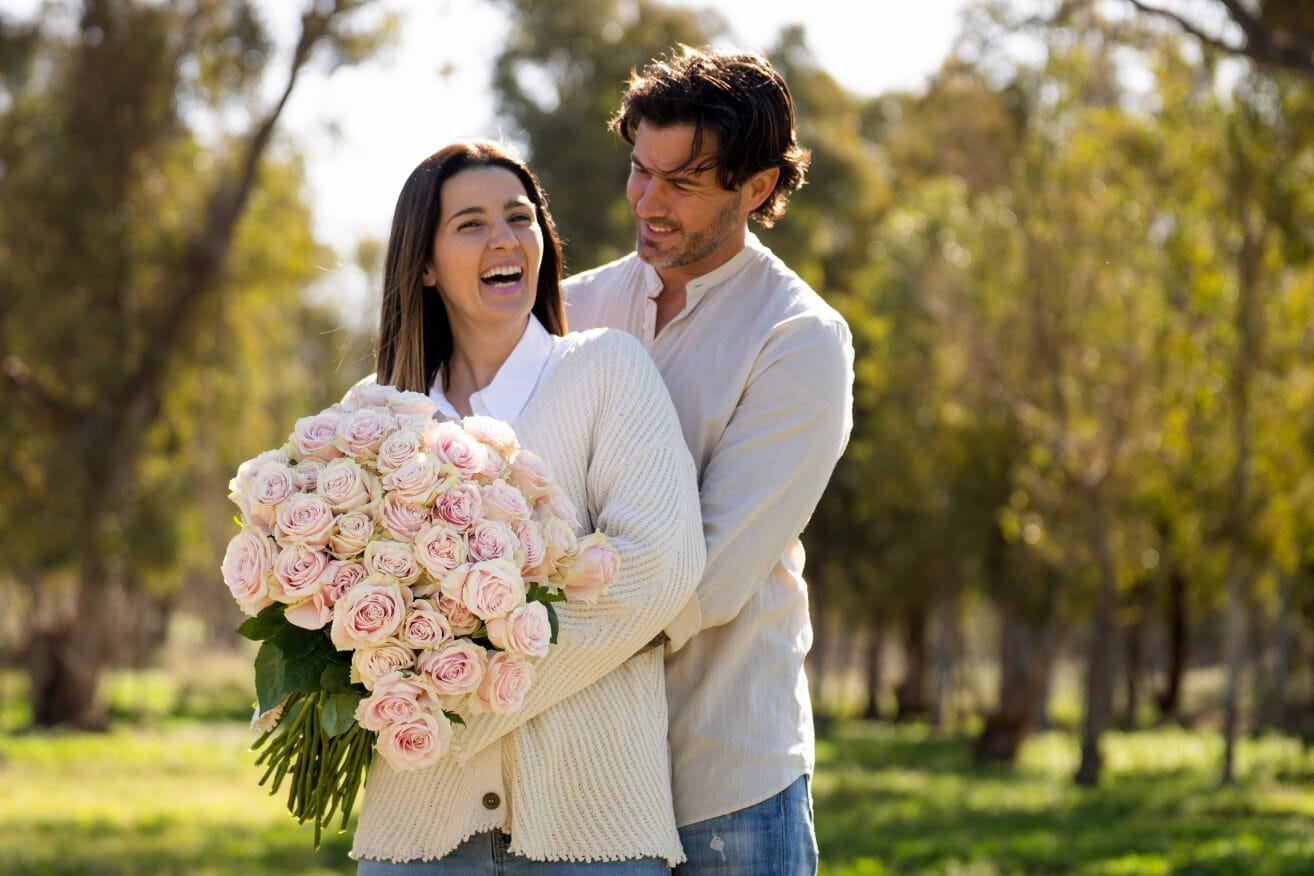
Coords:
454,717
270,676
339,713
265,625
336,679
552,620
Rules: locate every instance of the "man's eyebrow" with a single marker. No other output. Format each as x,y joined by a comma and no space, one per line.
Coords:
686,174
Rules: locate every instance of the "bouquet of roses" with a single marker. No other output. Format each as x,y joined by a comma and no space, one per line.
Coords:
398,570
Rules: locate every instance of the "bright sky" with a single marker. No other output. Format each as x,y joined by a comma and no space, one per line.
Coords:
389,115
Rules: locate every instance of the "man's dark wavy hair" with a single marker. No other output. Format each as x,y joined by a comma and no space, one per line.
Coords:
740,97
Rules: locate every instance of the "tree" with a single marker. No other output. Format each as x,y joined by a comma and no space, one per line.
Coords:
1275,33
116,238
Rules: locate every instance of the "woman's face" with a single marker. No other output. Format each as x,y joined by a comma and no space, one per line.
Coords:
486,250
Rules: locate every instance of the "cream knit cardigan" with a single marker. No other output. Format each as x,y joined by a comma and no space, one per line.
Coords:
583,767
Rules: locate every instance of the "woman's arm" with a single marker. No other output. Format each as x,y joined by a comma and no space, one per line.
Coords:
643,494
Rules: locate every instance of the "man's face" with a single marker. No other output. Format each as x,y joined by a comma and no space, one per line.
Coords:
687,223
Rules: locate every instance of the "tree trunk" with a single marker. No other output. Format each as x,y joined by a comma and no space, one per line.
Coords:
1099,659
910,695
946,646
1249,325
1025,652
1169,699
1133,662
874,669
65,656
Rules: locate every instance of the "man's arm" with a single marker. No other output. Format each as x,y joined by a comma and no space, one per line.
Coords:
771,465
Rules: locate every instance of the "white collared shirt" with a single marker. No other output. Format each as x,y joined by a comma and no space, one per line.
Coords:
515,383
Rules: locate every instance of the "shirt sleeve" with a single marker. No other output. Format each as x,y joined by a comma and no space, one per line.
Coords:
771,465
643,495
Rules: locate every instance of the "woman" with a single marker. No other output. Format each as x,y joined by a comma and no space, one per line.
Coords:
577,780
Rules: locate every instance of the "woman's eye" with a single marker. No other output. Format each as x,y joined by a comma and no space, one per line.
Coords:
522,218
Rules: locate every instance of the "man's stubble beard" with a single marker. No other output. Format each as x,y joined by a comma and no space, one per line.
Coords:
696,246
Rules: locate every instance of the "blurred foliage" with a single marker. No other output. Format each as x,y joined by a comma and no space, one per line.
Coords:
1079,284
152,325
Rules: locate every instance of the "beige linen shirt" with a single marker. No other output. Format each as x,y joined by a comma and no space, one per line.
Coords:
761,372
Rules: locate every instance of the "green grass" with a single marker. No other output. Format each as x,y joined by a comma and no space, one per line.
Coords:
180,797
906,800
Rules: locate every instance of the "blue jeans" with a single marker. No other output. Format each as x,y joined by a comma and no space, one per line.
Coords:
487,853
773,838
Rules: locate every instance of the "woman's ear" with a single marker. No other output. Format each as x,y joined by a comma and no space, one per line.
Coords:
430,276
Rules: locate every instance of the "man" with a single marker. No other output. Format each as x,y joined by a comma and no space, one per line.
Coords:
761,372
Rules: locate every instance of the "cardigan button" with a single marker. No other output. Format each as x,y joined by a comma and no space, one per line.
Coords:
492,801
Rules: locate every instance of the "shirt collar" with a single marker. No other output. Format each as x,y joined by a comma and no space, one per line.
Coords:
700,286
513,385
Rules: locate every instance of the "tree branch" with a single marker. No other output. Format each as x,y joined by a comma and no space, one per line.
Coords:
23,387
1187,27
1263,43
207,253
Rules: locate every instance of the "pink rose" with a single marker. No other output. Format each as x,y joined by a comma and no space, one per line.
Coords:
247,569
402,519
304,519
398,696
453,445
593,569
455,668
272,485
373,662
493,432
525,630
297,569
559,541
494,468
419,480
346,486
367,395
312,613
309,469
369,613
492,540
362,431
425,627
339,577
459,618
506,681
415,406
439,549
316,436
557,504
530,536
459,506
351,532
529,474
240,485
501,501
492,588
392,558
417,743
397,449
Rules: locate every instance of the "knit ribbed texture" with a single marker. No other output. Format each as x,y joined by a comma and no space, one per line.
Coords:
582,768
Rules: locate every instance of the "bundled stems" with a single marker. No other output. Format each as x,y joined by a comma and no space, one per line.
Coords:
326,771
